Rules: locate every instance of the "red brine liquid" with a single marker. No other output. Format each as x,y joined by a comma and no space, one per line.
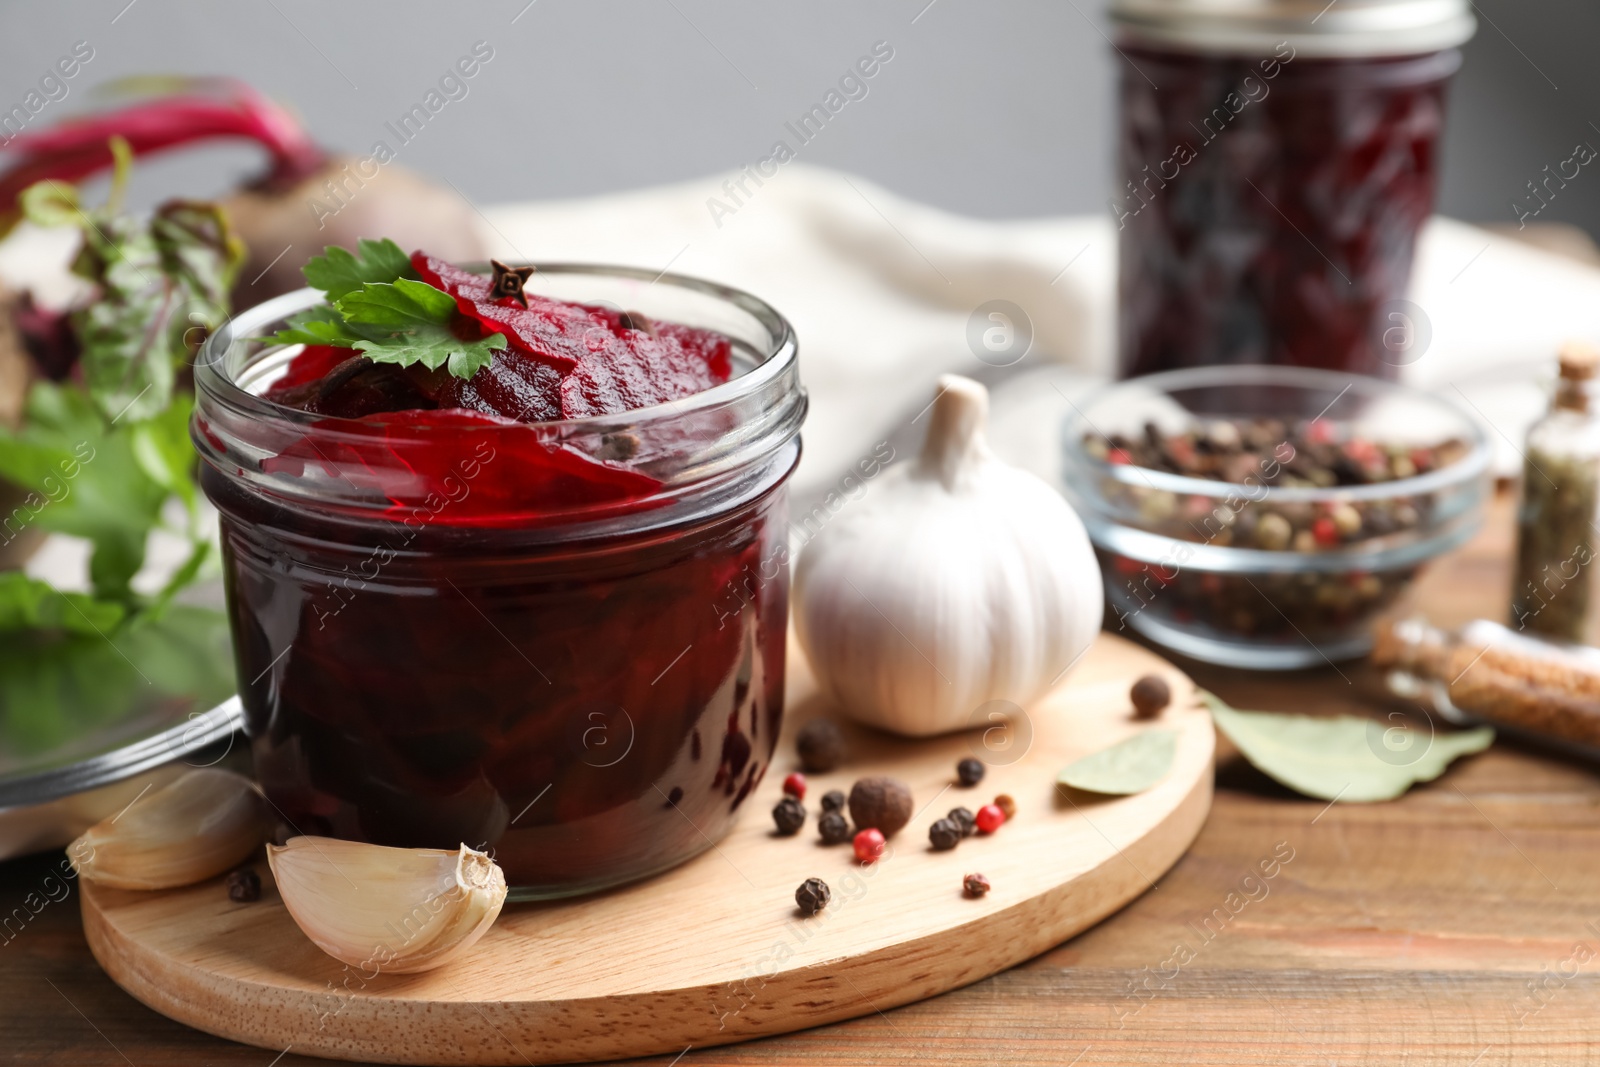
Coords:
1270,206
531,649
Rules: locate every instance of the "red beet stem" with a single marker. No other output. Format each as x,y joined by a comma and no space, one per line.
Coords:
79,148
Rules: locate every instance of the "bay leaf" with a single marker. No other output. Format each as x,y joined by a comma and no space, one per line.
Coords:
1343,757
1127,767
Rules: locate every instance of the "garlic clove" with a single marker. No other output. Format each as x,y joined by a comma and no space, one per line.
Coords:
394,910
197,827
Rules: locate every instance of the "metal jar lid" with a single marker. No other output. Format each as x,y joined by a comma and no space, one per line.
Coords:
1340,28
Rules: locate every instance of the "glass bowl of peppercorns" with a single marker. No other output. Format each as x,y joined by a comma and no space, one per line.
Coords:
1263,516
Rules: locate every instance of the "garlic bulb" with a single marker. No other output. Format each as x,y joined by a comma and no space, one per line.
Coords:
396,910
954,581
197,827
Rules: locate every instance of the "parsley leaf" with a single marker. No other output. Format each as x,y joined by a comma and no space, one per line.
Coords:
338,272
410,322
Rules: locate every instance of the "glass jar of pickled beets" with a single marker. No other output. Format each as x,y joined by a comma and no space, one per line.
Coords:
561,641
1277,160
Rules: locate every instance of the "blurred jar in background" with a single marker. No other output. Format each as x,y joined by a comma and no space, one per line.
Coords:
1277,159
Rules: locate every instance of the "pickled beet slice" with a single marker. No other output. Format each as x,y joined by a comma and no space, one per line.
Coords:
634,371
309,364
513,386
708,345
352,388
546,329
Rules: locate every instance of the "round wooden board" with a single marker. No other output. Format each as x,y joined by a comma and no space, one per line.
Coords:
714,951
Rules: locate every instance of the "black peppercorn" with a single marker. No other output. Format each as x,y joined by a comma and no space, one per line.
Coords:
970,771
944,835
244,885
833,800
834,828
812,896
1150,695
964,820
790,816
820,746
976,885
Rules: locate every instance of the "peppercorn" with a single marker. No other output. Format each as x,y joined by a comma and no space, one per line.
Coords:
833,800
820,746
1150,696
990,818
812,896
975,885
790,815
244,885
964,820
795,786
1006,805
880,803
944,835
869,846
833,828
969,772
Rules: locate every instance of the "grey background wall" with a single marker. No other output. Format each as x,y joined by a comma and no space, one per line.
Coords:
997,109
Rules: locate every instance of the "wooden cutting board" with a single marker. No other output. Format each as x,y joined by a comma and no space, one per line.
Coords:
714,951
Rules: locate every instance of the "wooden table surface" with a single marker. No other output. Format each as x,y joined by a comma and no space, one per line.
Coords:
1453,927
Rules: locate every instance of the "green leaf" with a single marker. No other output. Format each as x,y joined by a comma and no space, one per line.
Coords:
1342,757
30,604
83,479
410,322
398,305
163,451
51,203
321,325
59,684
337,272
1127,767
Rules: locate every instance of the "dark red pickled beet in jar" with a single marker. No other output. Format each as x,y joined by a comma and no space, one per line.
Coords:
1276,166
562,642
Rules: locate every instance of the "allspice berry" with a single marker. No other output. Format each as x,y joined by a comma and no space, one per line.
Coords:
820,746
812,896
1150,696
789,815
880,803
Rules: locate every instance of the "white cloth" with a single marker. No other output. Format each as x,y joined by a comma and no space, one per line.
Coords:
880,289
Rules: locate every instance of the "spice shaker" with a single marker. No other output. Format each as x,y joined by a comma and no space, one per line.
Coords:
1484,671
1277,159
1552,591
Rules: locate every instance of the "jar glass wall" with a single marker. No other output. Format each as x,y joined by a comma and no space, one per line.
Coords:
560,641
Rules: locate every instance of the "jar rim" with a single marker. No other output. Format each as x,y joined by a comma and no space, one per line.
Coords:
213,380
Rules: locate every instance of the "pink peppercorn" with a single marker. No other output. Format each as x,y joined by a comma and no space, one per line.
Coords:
795,785
990,818
869,846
